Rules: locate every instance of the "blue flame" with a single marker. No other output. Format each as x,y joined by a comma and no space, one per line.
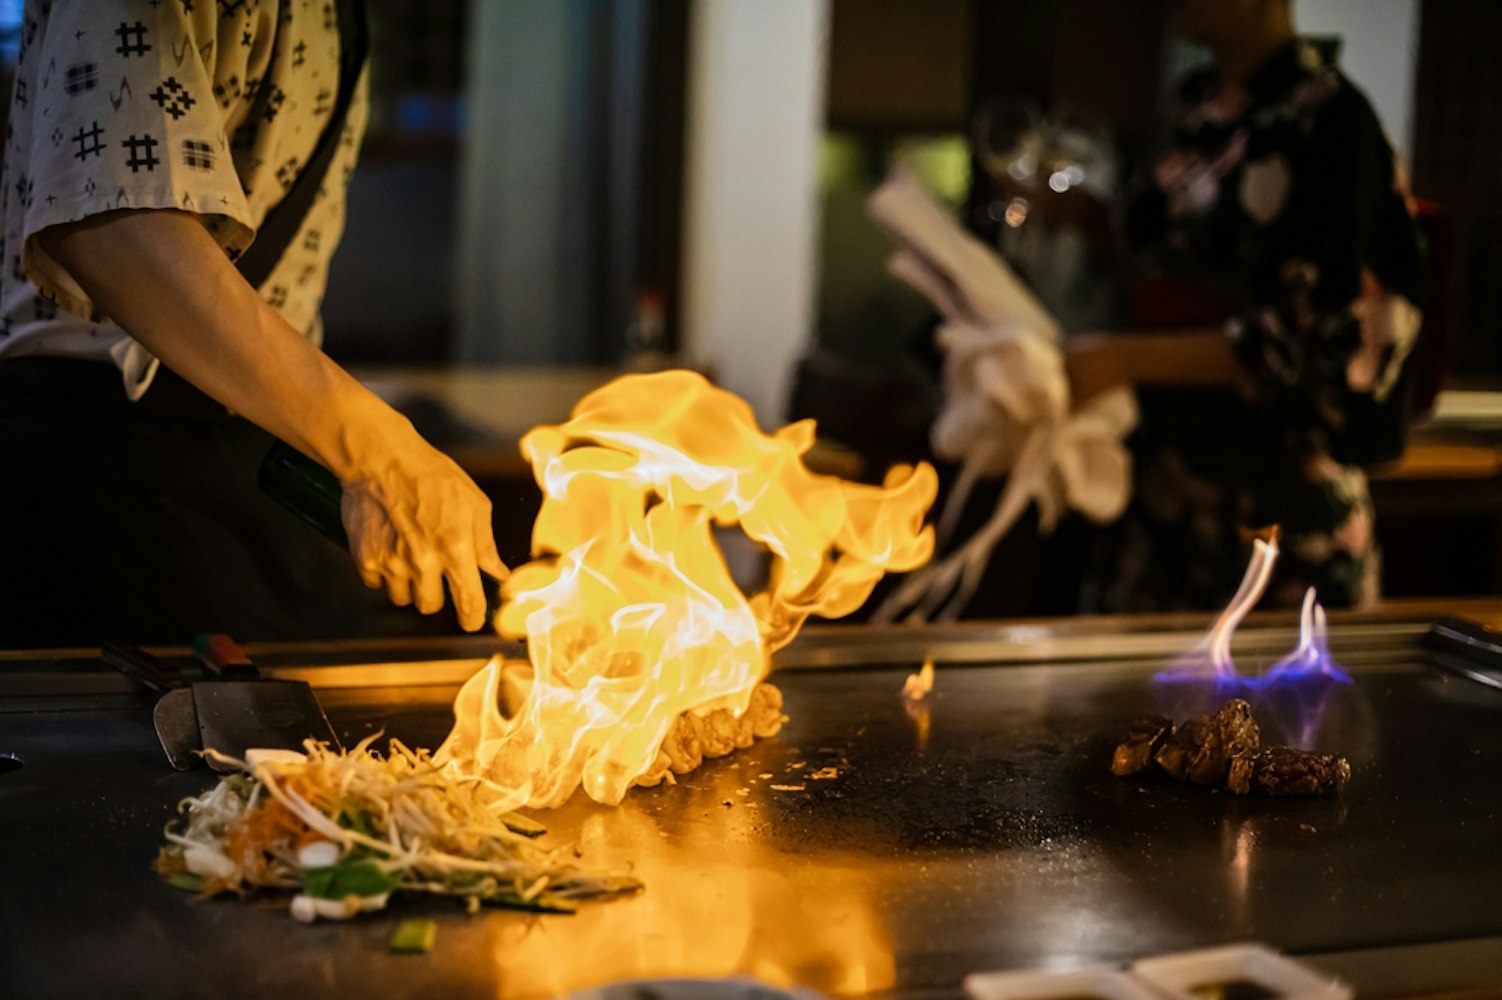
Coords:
1309,661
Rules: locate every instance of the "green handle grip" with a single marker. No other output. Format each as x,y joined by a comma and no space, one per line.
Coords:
306,489
314,495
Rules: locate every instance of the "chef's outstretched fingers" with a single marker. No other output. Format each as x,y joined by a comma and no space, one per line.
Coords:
427,582
488,557
464,584
398,585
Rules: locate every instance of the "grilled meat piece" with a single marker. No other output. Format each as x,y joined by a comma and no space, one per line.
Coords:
1201,749
693,738
1285,771
1232,732
765,711
1186,740
1135,753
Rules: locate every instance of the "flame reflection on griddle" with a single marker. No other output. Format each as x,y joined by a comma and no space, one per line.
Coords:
707,914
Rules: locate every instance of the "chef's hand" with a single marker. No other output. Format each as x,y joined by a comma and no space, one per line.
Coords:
414,520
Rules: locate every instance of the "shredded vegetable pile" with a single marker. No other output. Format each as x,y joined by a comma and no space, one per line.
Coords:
346,830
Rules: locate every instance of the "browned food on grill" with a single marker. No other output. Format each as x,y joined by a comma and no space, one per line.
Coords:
1182,744
715,734
1225,749
1232,732
1285,771
1135,753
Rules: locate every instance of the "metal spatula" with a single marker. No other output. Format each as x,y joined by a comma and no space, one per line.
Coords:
235,710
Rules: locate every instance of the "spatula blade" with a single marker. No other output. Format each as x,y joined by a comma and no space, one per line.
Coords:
234,716
177,727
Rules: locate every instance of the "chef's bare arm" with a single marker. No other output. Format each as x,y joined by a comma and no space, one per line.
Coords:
1200,357
414,518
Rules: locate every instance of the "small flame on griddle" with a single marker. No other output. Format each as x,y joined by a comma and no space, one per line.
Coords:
1309,659
915,702
917,686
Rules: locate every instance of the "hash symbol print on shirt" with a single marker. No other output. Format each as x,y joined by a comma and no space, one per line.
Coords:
141,154
226,91
274,102
287,173
173,98
198,155
84,76
88,142
132,39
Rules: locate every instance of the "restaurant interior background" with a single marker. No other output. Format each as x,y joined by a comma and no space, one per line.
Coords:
554,190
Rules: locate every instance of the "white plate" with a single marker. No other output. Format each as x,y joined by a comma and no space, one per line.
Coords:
1176,976
692,989
1103,982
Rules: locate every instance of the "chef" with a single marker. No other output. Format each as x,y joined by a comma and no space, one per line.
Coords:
174,181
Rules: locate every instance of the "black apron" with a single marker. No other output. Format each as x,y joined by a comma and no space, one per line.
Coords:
142,522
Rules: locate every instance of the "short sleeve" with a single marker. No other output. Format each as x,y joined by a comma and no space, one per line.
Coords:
129,112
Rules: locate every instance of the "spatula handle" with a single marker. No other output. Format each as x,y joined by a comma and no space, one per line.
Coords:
143,668
305,488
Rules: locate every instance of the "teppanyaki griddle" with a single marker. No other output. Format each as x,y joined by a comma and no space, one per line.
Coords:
868,849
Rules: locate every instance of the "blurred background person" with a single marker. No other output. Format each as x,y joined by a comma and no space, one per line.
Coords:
1277,203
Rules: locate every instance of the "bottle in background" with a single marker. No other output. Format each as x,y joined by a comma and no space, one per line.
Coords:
646,335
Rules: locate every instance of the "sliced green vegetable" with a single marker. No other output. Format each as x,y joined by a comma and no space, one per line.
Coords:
350,877
415,935
621,885
358,820
186,881
243,785
526,826
508,899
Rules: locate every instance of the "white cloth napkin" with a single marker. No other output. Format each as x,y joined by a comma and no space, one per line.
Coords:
137,366
1006,400
960,275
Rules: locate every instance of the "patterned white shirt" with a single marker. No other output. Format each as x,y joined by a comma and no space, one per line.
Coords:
208,106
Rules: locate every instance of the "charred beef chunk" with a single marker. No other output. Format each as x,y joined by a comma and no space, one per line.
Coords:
1179,749
1286,771
1238,730
1232,732
1135,753
1226,749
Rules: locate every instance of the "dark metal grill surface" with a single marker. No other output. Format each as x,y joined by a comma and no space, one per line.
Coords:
867,849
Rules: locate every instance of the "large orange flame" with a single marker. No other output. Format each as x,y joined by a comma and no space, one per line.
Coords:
630,612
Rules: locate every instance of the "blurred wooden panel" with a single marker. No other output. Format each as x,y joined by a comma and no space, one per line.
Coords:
899,64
